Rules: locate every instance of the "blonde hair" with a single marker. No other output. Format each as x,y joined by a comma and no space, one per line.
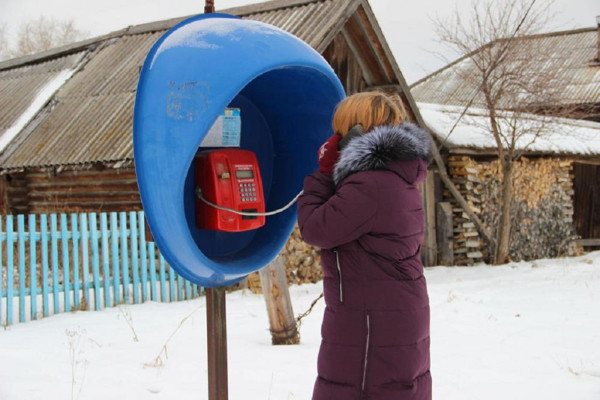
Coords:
368,109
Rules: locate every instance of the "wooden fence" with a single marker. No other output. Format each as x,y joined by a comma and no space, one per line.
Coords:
65,262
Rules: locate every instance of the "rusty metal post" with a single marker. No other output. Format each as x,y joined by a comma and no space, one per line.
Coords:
217,343
209,6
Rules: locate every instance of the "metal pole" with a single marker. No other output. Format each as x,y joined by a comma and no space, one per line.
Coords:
209,6
217,343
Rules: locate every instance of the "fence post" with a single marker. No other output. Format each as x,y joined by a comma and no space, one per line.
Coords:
32,266
21,238
75,235
1,274
163,278
105,268
143,255
171,282
10,268
64,237
152,254
114,244
44,237
83,222
95,260
54,244
134,257
124,258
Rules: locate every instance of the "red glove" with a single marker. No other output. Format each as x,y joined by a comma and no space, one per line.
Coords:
329,153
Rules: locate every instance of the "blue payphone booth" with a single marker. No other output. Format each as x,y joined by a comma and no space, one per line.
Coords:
284,94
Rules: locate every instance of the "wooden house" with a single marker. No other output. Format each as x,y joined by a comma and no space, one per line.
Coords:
66,120
557,187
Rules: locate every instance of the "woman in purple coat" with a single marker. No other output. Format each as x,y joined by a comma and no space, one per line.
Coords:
364,210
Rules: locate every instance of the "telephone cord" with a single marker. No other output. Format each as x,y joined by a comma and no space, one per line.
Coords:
246,213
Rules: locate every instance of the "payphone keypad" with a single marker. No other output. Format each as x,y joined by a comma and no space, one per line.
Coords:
248,191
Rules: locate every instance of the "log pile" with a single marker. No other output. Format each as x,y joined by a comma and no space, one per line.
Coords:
302,264
542,208
302,261
469,248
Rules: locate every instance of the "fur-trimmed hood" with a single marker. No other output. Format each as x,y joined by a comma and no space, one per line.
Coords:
381,148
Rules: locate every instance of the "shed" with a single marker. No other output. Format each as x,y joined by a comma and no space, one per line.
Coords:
559,174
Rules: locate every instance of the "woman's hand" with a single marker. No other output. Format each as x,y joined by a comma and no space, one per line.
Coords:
329,153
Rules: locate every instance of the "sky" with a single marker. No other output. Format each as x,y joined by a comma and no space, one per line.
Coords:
407,25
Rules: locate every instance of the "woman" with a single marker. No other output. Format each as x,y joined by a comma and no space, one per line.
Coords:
364,210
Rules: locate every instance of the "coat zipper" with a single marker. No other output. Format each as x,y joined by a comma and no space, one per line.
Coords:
337,259
364,378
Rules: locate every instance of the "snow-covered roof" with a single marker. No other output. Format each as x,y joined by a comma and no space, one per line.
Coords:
561,136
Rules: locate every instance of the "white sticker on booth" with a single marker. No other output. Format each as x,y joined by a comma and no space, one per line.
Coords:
226,131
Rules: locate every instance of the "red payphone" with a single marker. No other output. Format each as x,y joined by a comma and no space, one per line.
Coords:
229,179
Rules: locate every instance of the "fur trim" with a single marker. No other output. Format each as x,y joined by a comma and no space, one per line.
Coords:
378,147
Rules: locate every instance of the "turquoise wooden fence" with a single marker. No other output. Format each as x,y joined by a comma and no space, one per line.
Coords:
65,262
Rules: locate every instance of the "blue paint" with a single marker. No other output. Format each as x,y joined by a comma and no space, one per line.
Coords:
172,293
188,290
180,292
143,259
163,283
95,260
66,238
286,92
73,233
10,267
114,245
54,250
105,264
153,288
134,257
124,256
45,290
33,265
75,239
83,223
21,244
2,238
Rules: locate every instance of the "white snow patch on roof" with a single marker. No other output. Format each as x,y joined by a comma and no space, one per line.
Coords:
561,135
40,100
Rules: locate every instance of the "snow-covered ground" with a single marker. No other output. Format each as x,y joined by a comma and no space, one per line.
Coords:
527,330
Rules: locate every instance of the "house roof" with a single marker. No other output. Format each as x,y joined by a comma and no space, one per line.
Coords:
573,54
470,132
88,119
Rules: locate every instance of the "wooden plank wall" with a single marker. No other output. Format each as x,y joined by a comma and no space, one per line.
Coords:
98,189
587,200
345,65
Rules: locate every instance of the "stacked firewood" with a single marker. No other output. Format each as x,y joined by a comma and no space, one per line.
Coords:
541,210
302,261
466,175
302,264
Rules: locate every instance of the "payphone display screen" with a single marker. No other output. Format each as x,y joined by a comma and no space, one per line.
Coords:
244,174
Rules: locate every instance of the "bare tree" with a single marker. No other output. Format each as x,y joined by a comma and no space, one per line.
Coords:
44,33
507,78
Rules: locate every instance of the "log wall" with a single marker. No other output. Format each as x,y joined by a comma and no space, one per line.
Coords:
98,189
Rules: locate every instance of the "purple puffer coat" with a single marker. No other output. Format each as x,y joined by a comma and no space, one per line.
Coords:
368,220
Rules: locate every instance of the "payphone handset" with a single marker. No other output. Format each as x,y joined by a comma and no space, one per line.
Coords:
229,179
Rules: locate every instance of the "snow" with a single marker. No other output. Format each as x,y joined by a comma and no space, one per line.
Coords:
559,135
528,330
38,102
